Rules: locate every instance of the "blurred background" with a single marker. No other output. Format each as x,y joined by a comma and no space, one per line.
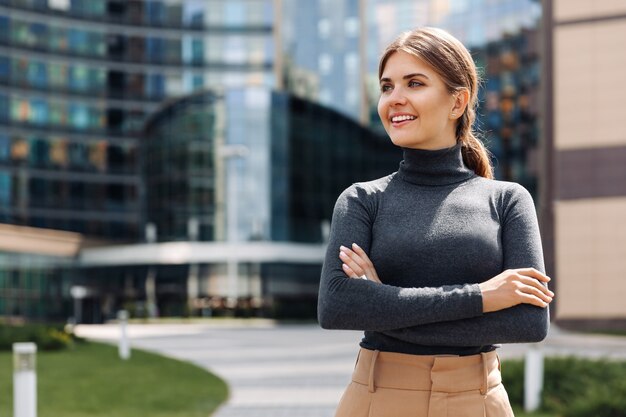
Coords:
182,157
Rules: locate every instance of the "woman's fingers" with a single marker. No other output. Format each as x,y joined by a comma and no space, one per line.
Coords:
532,299
361,253
349,272
359,263
515,286
534,273
539,287
531,289
354,257
353,261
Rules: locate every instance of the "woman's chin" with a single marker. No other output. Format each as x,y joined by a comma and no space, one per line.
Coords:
405,143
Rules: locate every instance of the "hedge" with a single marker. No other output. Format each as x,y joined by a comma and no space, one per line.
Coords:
573,387
46,337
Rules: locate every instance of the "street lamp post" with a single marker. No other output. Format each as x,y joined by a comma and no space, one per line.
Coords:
228,152
78,293
24,380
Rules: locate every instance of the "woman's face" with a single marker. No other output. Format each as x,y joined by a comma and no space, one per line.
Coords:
415,106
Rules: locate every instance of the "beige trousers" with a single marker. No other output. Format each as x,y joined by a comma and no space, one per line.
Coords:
386,384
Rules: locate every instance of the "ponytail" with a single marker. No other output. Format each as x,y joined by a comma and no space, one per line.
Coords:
475,154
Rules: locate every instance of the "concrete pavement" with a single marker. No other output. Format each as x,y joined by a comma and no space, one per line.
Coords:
294,370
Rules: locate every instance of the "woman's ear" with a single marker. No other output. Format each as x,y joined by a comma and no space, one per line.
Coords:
461,98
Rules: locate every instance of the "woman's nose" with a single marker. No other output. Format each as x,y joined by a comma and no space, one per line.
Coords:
397,96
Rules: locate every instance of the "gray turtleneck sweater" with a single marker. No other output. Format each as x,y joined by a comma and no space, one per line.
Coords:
433,231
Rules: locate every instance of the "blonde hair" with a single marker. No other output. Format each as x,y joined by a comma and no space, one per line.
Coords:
453,62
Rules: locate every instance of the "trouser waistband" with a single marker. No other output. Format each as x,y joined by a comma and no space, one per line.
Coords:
435,373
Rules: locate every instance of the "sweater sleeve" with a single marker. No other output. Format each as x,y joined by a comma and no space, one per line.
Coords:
523,323
347,303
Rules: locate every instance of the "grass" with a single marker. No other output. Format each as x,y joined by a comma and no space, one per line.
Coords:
91,380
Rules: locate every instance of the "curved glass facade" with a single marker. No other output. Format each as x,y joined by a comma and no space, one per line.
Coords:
322,152
299,157
77,81
179,171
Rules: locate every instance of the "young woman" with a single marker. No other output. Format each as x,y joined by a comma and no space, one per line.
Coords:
437,263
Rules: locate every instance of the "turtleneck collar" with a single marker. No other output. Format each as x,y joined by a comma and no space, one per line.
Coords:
439,167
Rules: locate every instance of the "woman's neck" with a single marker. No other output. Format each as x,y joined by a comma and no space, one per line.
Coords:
434,167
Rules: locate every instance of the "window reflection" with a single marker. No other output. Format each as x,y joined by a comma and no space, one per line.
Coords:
58,152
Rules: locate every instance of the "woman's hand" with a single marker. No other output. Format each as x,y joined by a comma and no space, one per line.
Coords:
513,287
356,263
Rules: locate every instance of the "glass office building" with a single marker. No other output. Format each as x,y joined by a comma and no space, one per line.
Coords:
251,174
78,79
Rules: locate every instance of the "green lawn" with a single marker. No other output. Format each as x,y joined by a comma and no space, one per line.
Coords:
91,380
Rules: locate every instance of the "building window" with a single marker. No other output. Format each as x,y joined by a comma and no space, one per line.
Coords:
98,155
39,111
58,39
78,41
37,75
351,27
19,149
39,155
79,115
155,12
57,75
154,49
5,68
5,147
4,107
5,189
20,109
5,24
325,64
323,28
173,51
58,152
234,13
197,51
58,115
193,13
77,155
235,50
78,78
155,85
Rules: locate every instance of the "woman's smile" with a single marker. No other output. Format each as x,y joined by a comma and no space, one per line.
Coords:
401,119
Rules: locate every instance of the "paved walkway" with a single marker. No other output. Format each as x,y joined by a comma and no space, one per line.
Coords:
294,370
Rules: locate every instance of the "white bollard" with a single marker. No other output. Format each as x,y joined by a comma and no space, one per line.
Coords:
124,345
24,380
533,379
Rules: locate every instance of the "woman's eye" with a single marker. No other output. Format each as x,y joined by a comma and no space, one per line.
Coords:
414,83
385,87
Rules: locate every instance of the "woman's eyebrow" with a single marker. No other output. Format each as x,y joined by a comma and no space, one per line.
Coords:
415,74
406,77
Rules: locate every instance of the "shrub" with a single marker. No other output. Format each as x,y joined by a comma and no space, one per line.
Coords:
45,337
600,401
573,387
